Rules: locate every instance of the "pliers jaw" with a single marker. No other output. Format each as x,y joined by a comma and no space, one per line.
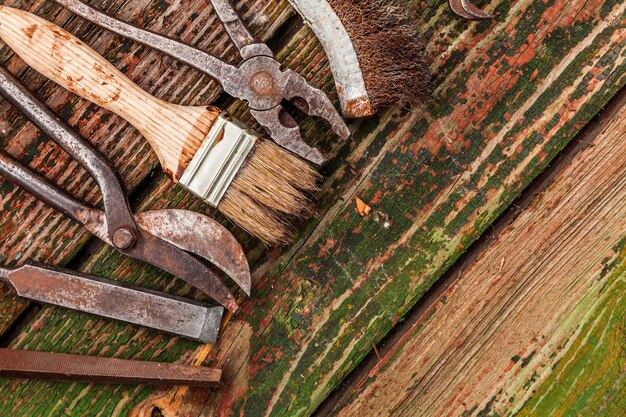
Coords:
258,80
262,83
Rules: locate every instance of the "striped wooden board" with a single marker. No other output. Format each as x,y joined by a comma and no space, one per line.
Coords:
510,94
535,325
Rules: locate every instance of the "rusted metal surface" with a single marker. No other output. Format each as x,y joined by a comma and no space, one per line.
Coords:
128,239
467,10
119,217
358,106
65,367
259,79
236,29
112,300
341,54
341,50
147,247
202,236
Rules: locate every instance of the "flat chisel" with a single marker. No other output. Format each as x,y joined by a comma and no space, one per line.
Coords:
115,300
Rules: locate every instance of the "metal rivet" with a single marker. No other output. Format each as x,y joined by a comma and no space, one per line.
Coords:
123,238
262,83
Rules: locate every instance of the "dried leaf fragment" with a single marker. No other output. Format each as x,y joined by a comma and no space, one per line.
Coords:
361,207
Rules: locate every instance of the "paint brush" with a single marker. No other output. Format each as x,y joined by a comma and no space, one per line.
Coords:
375,50
255,183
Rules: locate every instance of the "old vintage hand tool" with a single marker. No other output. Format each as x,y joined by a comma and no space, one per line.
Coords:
77,368
160,238
259,79
467,10
117,301
254,182
375,50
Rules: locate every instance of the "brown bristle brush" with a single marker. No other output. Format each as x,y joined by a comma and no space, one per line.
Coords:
254,182
375,50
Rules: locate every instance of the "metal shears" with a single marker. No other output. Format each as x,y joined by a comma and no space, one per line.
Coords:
161,238
258,80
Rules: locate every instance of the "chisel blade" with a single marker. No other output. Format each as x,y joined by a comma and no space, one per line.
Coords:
117,301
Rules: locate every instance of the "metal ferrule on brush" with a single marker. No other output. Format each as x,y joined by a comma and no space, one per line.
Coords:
219,159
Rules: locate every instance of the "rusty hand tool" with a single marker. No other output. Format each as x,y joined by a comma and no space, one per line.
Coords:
257,184
467,10
375,50
77,368
160,237
117,301
258,80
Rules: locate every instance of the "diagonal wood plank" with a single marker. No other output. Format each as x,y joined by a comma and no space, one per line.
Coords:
362,277
535,325
510,96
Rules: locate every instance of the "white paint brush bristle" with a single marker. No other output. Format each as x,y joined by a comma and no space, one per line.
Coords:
271,190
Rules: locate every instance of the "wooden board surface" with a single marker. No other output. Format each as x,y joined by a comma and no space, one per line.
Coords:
510,94
535,325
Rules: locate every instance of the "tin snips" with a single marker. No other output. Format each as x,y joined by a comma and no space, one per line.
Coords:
258,80
161,238
467,10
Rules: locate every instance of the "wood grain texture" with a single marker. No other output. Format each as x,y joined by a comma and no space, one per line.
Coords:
535,325
510,95
435,189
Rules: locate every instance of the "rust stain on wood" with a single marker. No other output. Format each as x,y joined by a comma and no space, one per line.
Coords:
30,31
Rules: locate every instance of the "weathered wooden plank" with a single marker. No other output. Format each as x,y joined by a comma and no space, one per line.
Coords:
29,229
295,339
437,194
589,378
535,325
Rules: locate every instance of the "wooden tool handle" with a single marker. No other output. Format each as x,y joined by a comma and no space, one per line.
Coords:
174,132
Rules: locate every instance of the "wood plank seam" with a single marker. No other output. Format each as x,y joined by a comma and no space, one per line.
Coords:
612,186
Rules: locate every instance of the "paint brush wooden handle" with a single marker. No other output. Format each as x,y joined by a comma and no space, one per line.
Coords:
255,183
170,129
40,365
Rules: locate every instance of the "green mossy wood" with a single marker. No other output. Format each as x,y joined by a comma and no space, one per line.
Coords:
534,326
510,94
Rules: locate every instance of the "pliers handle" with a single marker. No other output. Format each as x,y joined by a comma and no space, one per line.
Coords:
122,230
159,249
245,42
258,80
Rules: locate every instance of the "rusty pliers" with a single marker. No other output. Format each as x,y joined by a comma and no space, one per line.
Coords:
162,238
258,80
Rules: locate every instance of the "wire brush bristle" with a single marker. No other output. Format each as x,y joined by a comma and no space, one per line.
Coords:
391,52
271,190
